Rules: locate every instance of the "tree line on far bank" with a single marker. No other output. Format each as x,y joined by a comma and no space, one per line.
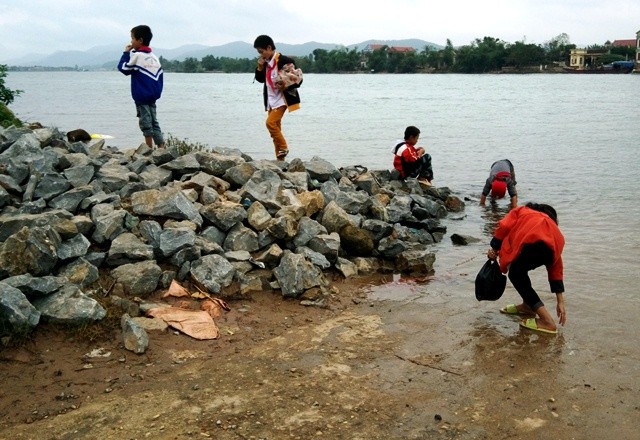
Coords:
480,56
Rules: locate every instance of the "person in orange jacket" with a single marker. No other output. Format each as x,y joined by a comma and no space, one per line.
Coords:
526,238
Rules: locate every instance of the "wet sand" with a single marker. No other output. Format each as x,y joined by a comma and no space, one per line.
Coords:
399,360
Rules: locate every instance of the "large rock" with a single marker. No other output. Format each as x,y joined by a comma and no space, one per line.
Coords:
134,336
322,170
224,215
172,241
75,247
127,248
217,164
296,274
258,216
356,241
79,176
241,238
240,174
32,251
34,287
69,305
334,218
12,223
114,176
80,272
265,187
138,279
16,312
307,229
170,203
70,200
313,201
417,260
109,222
212,272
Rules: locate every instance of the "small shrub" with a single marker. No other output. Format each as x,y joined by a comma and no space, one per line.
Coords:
7,118
6,94
183,145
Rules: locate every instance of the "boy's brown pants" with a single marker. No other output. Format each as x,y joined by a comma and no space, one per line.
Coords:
274,125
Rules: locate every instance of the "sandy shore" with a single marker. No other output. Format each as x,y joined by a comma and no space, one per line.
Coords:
399,360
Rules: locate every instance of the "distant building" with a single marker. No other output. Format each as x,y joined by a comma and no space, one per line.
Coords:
390,49
624,43
403,49
584,58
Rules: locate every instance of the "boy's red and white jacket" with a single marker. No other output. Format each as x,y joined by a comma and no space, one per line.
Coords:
403,152
146,74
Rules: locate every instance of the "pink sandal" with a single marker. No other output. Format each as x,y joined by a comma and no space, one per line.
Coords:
281,154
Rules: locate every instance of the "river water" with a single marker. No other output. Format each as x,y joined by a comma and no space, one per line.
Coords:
573,139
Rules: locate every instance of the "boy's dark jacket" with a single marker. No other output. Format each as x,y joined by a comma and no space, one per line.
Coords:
291,95
146,75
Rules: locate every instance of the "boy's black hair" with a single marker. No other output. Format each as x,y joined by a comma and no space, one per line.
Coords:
547,209
264,41
142,32
411,131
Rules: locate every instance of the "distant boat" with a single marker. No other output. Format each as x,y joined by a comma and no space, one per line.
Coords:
615,67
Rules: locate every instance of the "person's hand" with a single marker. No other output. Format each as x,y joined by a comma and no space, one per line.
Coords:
261,62
492,254
128,48
562,313
420,151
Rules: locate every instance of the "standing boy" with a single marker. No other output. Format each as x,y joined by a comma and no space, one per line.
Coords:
411,161
502,177
277,97
146,82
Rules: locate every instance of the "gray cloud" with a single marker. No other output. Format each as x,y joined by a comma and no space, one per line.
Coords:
43,26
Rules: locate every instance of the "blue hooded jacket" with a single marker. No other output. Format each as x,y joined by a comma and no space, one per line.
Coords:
146,75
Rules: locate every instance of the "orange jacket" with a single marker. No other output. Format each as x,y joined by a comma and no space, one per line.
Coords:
522,226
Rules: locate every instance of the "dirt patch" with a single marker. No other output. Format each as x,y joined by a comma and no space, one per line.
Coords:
423,364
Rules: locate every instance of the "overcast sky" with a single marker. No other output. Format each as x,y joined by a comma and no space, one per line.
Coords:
46,26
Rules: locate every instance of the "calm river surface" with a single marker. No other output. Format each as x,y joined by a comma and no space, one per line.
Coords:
574,141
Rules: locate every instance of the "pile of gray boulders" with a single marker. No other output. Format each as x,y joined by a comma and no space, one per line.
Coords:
78,220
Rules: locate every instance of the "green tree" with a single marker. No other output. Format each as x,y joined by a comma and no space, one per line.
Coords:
191,65
559,48
377,59
522,55
610,58
408,63
305,63
321,60
486,55
448,55
626,52
210,63
343,60
6,94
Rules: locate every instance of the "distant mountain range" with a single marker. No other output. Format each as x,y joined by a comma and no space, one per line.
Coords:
106,57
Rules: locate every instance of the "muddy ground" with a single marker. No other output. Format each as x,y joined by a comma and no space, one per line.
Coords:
388,359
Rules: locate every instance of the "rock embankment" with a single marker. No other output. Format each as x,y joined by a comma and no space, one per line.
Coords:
73,212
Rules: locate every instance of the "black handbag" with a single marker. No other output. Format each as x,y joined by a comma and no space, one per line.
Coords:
490,282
